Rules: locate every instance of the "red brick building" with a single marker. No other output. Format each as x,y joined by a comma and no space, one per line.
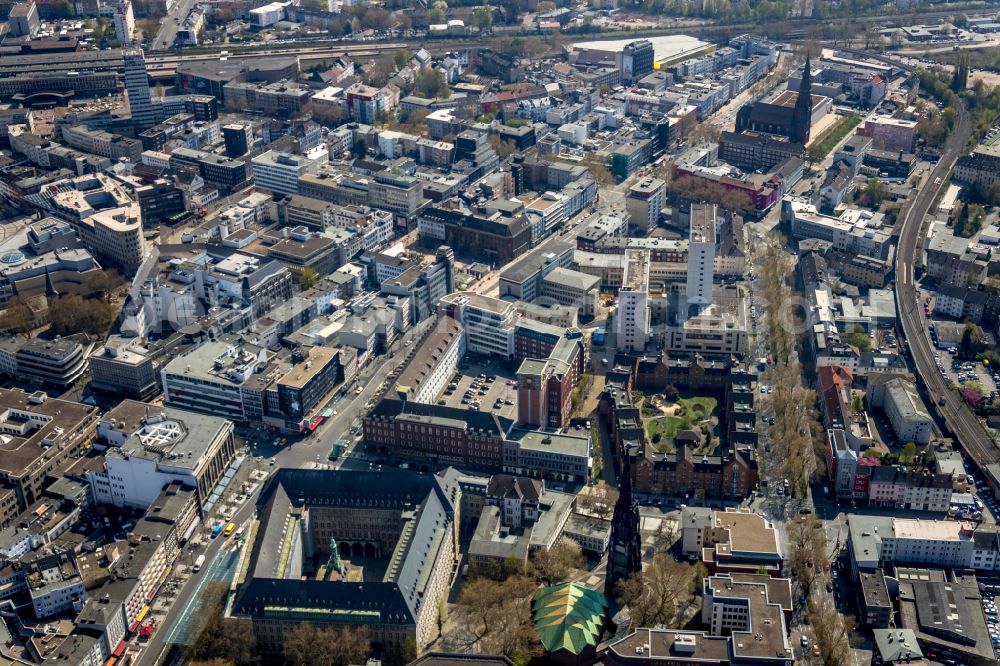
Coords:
545,385
441,435
730,476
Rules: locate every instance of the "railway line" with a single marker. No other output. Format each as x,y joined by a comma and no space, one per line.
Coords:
956,418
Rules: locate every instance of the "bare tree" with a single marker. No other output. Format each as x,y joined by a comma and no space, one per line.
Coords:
557,564
807,540
598,500
104,282
71,314
312,645
18,317
331,116
831,631
600,172
495,617
221,638
654,594
502,147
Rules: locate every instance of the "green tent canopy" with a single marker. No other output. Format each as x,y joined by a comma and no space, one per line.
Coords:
569,617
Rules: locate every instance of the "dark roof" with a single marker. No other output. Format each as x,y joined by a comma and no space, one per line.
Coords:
505,485
397,601
899,475
943,611
497,426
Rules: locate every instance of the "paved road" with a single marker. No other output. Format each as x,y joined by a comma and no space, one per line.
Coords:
963,423
304,453
164,40
184,600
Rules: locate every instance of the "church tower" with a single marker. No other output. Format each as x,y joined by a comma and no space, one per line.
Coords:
802,118
625,549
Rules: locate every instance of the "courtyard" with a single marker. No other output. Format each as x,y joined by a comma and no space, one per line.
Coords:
664,420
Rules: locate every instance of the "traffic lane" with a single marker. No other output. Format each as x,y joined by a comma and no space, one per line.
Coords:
164,39
350,408
298,455
210,549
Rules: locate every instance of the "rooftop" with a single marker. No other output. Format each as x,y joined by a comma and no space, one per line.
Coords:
303,373
30,422
636,277
747,534
657,646
545,442
163,433
426,504
569,617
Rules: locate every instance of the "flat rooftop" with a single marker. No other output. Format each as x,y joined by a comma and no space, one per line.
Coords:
636,277
748,533
548,442
303,373
28,419
472,299
164,432
936,530
668,47
703,223
659,645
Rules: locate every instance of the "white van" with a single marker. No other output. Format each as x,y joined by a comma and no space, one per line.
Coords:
199,563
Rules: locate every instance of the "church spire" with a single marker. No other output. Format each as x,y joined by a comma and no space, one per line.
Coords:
50,288
803,105
625,555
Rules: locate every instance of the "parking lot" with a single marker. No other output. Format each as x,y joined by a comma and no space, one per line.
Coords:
986,496
990,608
485,388
967,372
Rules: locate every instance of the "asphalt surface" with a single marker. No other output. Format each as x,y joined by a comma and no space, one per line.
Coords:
962,422
302,454
164,39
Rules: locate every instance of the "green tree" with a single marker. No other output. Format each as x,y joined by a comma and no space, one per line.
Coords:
965,346
856,337
546,6
873,193
908,454
401,57
431,83
960,75
308,278
435,16
482,18
62,9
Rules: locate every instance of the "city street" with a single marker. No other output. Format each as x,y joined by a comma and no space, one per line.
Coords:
164,40
301,454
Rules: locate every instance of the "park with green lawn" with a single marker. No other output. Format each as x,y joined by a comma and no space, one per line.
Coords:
663,419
